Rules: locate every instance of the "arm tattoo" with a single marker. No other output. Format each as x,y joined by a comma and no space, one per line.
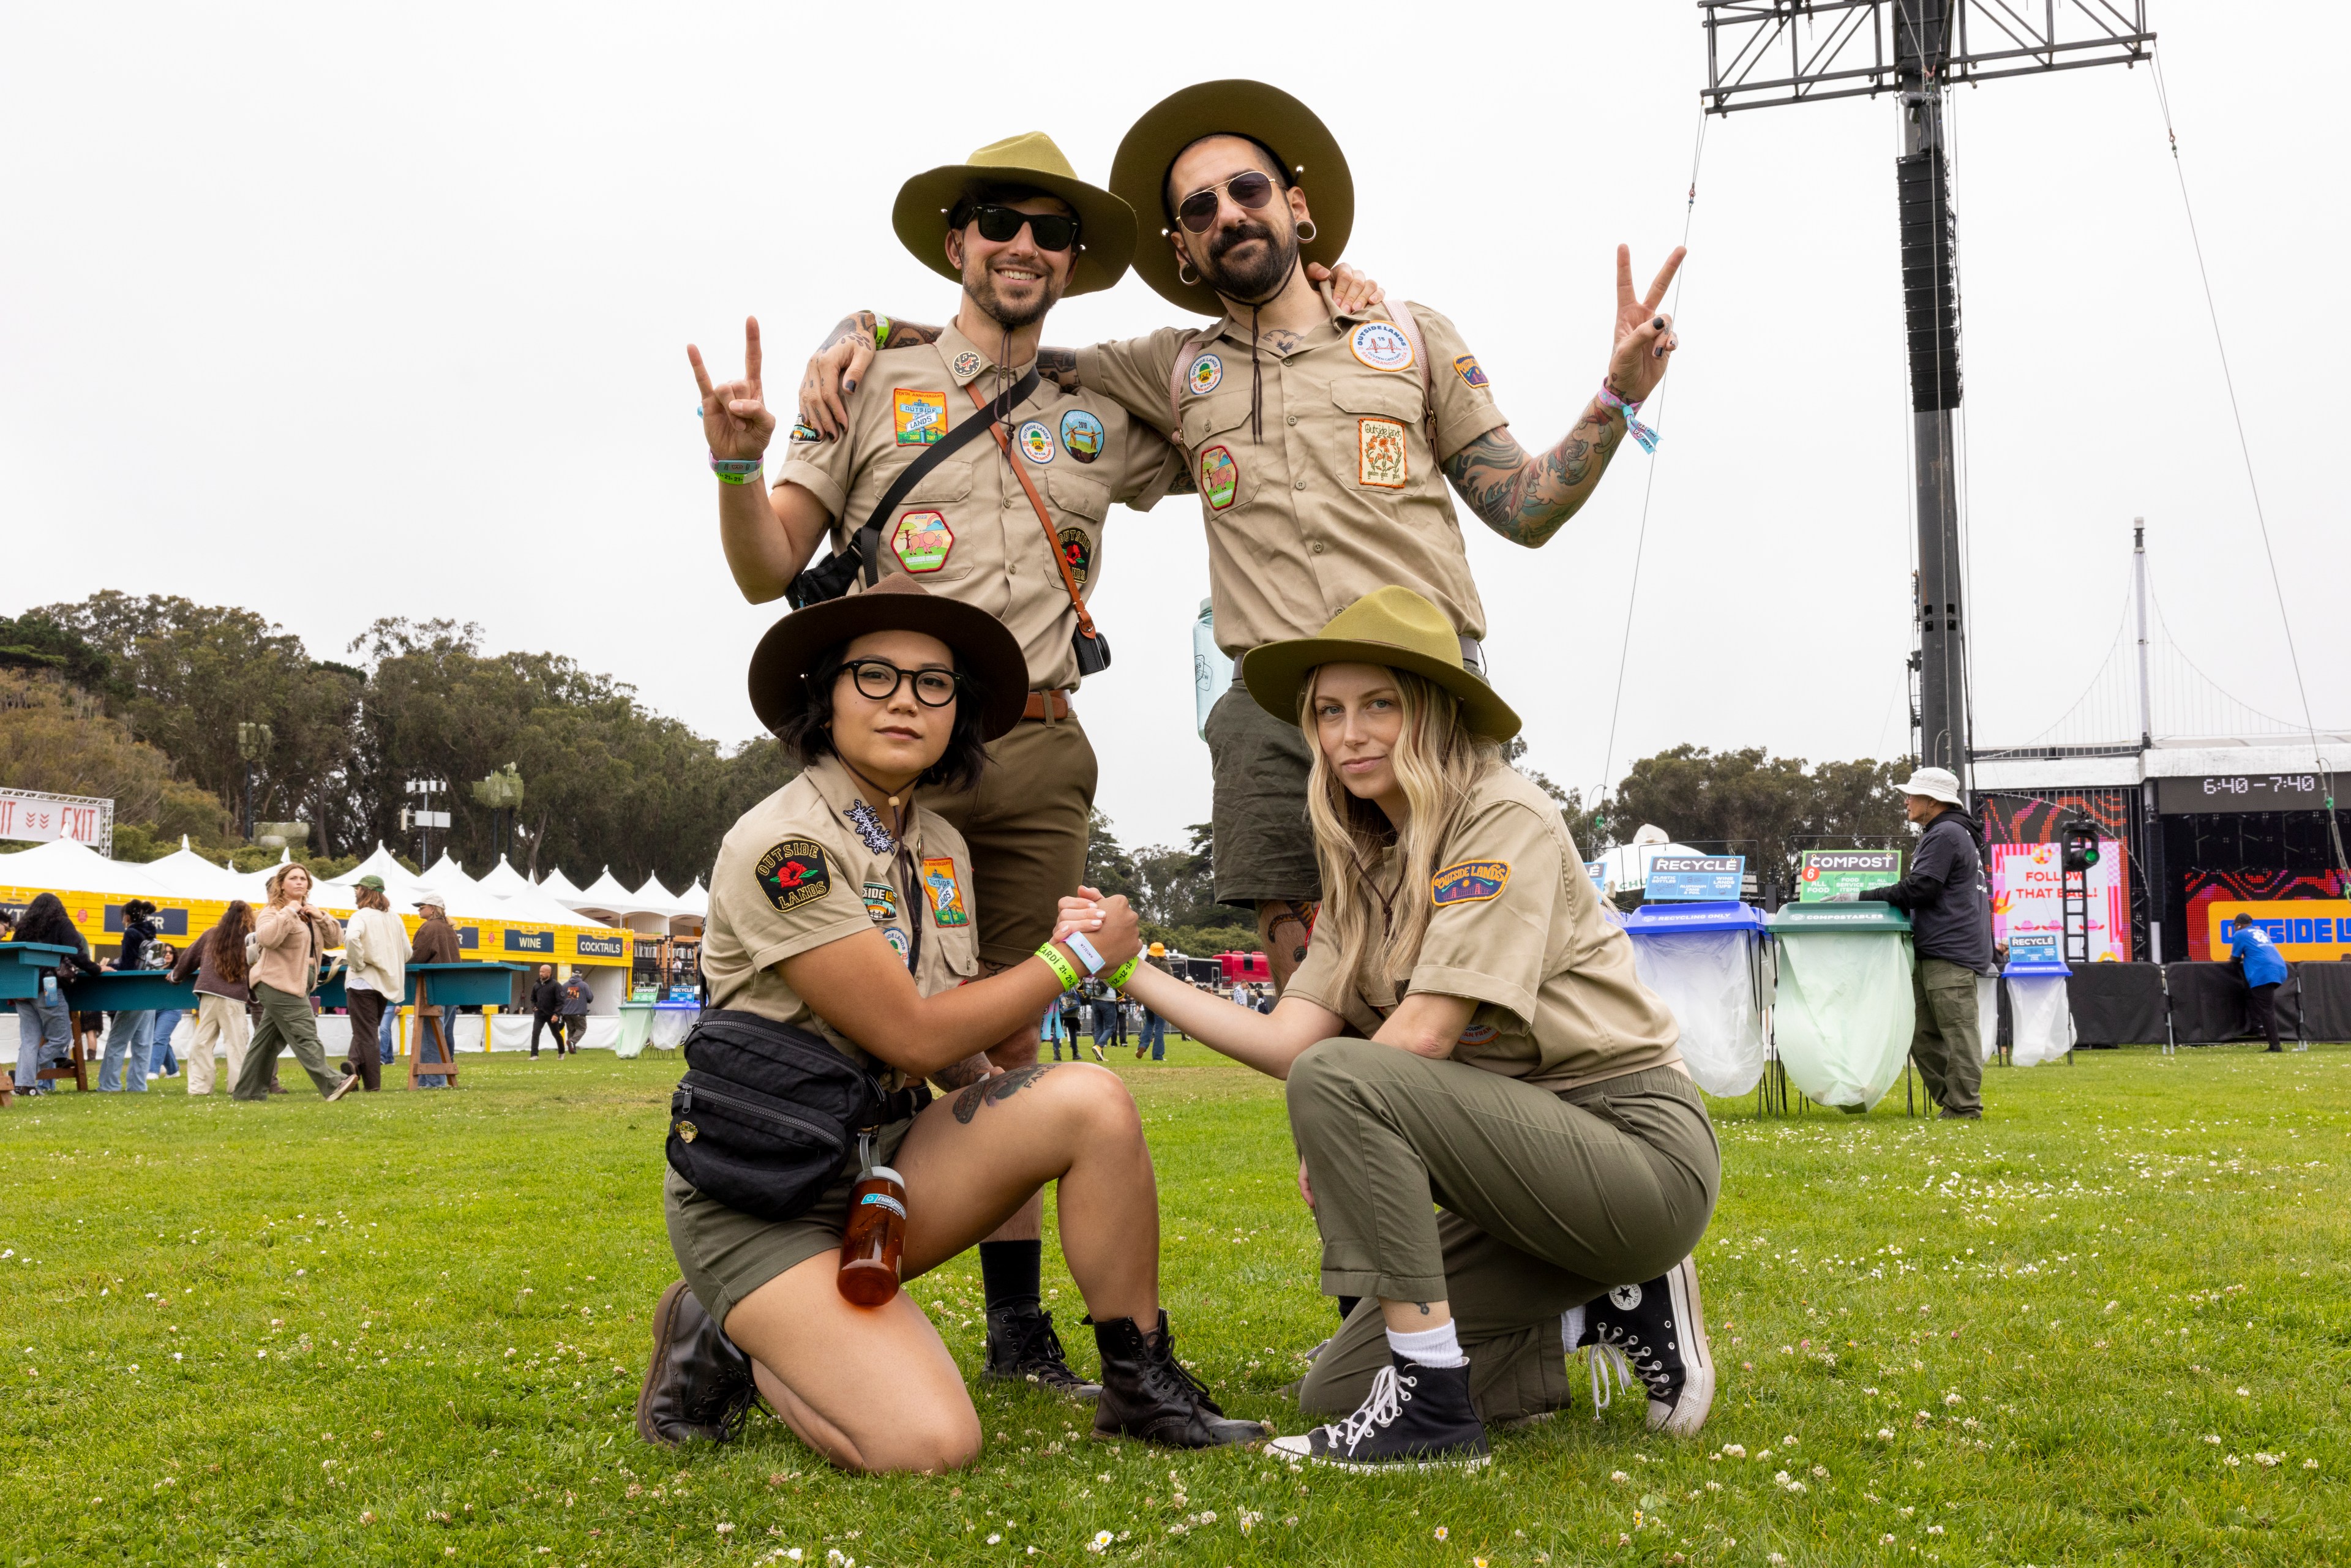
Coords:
858,326
1059,366
1003,1086
1185,485
1525,499
970,1069
906,334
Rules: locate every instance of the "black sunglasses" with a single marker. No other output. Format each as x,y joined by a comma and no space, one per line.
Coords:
1251,191
1052,230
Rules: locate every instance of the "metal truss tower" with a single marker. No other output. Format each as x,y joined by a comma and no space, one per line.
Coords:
1763,53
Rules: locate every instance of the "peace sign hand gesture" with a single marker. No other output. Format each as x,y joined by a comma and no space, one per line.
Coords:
1645,335
735,417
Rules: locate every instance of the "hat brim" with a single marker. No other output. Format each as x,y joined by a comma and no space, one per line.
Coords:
1276,675
982,646
1234,107
1934,794
1106,225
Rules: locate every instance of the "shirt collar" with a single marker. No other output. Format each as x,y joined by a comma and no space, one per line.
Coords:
840,791
966,362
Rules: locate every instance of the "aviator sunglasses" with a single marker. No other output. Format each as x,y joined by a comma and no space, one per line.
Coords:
1052,230
1251,191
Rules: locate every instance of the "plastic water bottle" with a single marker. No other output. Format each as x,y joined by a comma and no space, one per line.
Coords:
873,1239
1209,662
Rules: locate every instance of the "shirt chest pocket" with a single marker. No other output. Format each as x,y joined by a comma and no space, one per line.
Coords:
1225,463
1379,418
1080,505
928,535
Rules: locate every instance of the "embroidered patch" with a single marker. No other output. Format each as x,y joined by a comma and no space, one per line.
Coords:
1081,436
898,940
1079,551
1379,453
1206,372
946,894
1219,479
1036,440
966,365
922,542
920,417
1470,881
1381,345
870,828
793,872
802,433
881,901
1478,1034
1472,373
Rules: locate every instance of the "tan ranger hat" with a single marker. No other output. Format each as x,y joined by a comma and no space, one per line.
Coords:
1236,107
1392,626
1105,224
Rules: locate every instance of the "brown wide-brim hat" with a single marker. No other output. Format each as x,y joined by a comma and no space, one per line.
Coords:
983,648
1106,227
1235,107
1392,626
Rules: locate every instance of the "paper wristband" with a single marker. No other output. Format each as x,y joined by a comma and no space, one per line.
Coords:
1088,953
1060,966
1124,972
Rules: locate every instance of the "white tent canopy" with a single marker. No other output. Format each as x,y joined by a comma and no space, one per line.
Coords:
190,876
606,894
655,899
504,879
67,866
531,907
558,886
695,901
446,875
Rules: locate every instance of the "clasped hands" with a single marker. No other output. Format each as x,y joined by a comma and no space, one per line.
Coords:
1110,924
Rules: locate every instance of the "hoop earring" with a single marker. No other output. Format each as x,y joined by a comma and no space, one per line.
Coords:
1187,282
1306,231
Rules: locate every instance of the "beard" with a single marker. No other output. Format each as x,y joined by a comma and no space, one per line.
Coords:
980,284
1257,279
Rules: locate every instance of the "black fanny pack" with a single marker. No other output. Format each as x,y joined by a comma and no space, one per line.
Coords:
768,1115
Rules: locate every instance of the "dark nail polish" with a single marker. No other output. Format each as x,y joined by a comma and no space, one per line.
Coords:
1658,323
849,386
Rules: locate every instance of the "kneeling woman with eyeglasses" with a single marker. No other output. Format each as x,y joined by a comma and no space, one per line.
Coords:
843,972
1513,1071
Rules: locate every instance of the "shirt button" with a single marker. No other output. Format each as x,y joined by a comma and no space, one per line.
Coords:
1318,546
1293,419
1301,483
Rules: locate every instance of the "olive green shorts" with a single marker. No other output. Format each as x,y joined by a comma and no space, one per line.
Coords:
727,1254
1264,845
1026,823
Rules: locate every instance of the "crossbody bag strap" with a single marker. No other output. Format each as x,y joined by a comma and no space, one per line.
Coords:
1401,314
1175,379
1045,519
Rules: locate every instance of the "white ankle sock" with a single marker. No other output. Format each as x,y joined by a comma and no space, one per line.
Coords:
1571,1329
1439,1347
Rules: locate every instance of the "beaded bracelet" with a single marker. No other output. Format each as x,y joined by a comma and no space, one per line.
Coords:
1088,953
1060,966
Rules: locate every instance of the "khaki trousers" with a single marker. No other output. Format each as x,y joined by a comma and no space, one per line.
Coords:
219,1021
1025,823
1547,1201
286,1019
1946,1043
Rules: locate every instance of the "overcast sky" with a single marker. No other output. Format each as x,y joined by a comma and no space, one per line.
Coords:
337,313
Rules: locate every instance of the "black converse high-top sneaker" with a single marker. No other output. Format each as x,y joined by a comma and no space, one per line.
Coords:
1415,1418
1656,1331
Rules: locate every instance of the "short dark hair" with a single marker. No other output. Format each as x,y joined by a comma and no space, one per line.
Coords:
1272,161
806,734
960,213
2243,919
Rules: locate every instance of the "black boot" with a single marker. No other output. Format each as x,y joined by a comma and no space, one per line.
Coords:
1416,1417
1023,1348
1658,1332
699,1384
1147,1393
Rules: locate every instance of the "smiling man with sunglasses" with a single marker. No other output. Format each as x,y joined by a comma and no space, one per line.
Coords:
959,467
1320,437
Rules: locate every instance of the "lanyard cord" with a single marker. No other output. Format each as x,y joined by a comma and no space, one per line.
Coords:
909,872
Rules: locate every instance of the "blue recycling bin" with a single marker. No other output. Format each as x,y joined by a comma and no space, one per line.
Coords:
2040,1008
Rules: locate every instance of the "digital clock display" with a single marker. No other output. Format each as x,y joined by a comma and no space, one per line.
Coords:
2242,792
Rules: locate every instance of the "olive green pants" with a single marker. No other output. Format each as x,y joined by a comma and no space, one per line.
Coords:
286,1019
1946,1043
1547,1200
1025,823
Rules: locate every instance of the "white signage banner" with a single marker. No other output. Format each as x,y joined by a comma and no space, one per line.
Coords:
30,815
2028,886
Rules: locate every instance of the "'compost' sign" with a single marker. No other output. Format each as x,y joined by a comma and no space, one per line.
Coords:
1827,872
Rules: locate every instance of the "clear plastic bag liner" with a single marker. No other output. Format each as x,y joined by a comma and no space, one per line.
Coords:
1710,980
1843,1015
1988,1014
2042,1020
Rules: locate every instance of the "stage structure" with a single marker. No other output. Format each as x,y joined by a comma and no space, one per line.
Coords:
1761,53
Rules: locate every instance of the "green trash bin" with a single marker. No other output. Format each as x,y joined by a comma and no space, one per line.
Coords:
1844,1016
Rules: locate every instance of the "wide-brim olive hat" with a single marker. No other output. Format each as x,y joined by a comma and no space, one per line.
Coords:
983,648
1106,227
1235,107
1392,626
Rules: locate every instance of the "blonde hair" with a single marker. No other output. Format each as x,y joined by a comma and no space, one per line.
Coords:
1436,761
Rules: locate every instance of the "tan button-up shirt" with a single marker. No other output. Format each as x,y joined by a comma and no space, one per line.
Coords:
813,863
1340,493
1516,927
968,530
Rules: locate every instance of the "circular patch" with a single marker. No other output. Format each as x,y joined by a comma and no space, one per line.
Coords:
1081,436
1206,372
1625,1297
966,365
1079,551
1036,440
687,1132
898,940
1382,345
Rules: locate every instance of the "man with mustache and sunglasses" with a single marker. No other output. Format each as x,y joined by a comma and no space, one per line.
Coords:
1314,432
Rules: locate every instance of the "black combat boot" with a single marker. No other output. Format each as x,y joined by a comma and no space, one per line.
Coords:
1656,1330
1023,1348
1415,1418
699,1384
1147,1393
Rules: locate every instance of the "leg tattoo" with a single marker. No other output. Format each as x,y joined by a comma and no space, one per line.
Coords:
1003,1086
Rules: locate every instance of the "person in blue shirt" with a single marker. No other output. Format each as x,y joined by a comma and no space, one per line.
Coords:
2263,968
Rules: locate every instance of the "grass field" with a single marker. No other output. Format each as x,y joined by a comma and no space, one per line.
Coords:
2107,1324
